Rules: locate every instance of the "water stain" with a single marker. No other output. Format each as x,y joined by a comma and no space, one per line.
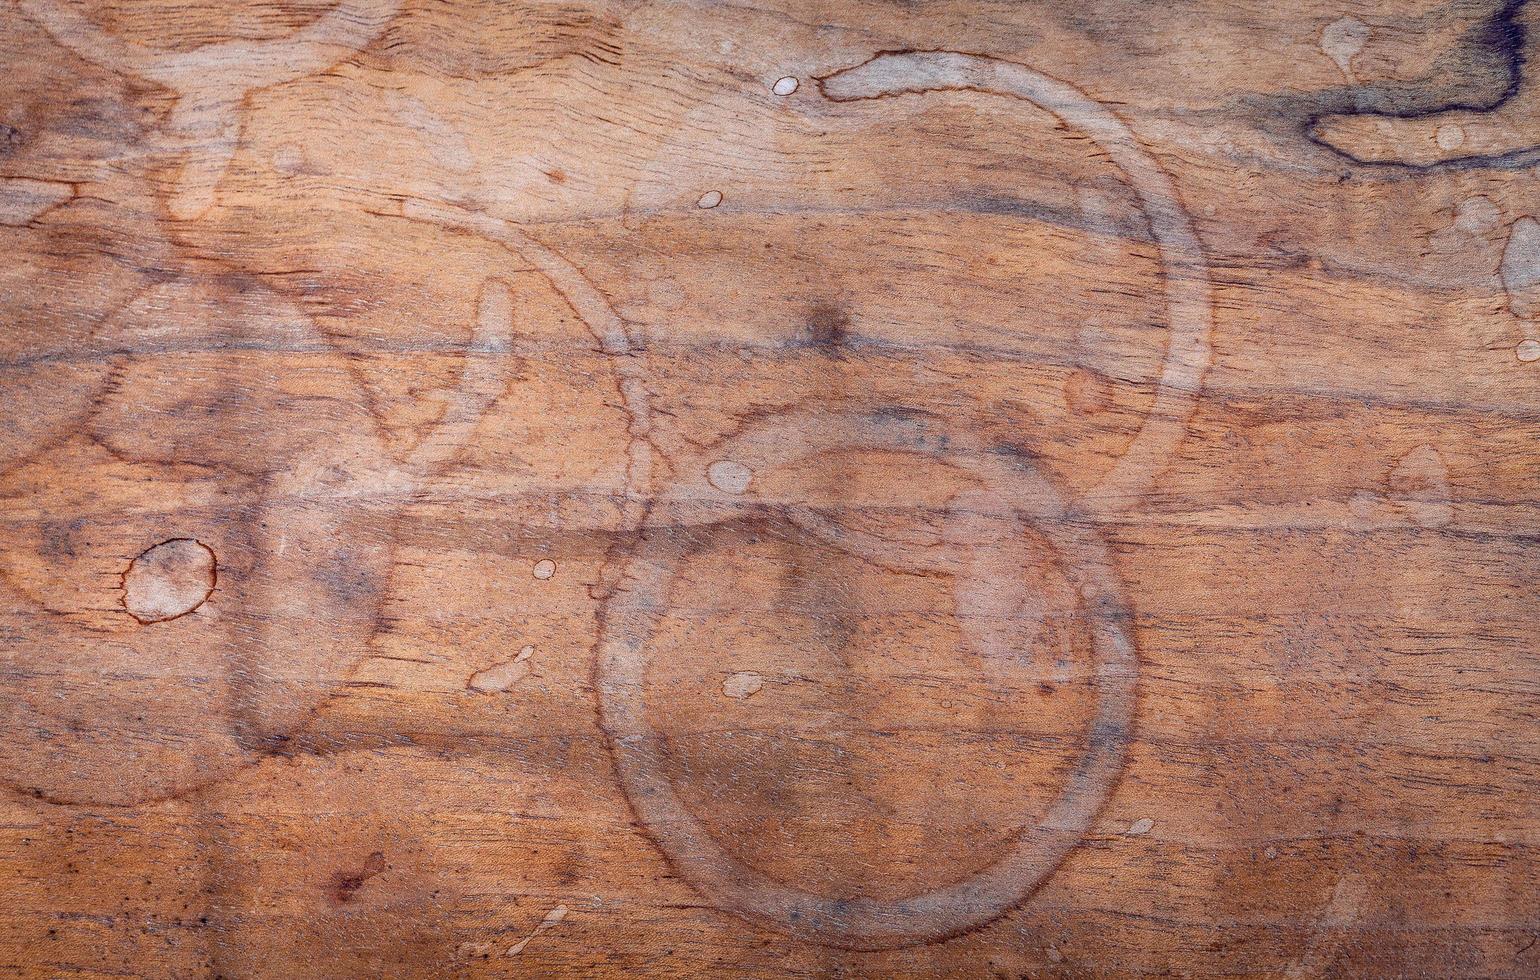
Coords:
169,580
743,684
1521,267
345,884
1342,40
501,677
552,919
23,201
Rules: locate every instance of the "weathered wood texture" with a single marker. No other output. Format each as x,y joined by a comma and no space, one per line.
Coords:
958,488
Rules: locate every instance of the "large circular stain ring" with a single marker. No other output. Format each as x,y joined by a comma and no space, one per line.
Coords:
631,617
1189,311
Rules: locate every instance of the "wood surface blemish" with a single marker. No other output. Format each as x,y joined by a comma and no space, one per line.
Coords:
908,499
1342,40
742,684
346,884
552,919
23,201
169,580
500,677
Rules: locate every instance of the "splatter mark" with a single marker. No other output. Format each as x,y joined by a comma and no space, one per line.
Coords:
709,200
502,676
743,684
544,569
784,85
1141,826
1342,40
1017,491
729,476
552,919
169,580
23,200
1188,308
212,81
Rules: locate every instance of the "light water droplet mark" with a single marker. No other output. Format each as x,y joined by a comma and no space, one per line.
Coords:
710,199
1476,215
501,676
1141,826
784,85
549,922
1521,267
729,477
743,684
1528,350
1449,137
1342,40
544,569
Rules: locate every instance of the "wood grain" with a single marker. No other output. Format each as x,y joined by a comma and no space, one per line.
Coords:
717,489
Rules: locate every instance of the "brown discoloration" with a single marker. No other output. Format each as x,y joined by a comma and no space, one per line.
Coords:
345,884
828,328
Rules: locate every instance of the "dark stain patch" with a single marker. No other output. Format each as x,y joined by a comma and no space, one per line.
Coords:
346,884
1490,59
827,329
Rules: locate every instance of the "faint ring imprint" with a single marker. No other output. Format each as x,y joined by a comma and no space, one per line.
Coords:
632,611
1015,491
320,492
1188,309
211,81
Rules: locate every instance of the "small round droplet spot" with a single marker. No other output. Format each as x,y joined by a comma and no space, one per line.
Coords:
784,85
169,580
1450,137
544,569
729,476
709,200
743,684
1528,350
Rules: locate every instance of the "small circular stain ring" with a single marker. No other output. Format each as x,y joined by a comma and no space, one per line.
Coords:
631,616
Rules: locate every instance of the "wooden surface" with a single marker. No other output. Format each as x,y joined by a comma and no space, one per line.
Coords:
766,489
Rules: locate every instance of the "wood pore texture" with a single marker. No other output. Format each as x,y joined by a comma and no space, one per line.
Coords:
831,488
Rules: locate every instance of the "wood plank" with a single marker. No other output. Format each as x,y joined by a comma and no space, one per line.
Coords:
762,489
